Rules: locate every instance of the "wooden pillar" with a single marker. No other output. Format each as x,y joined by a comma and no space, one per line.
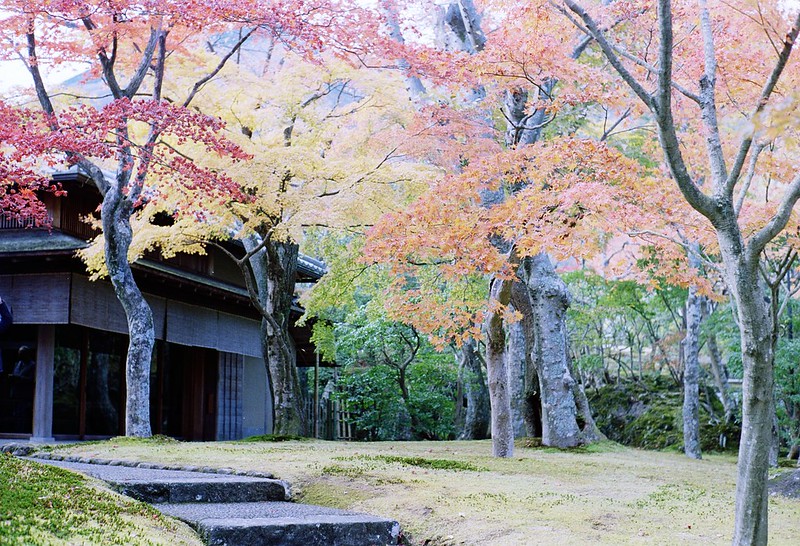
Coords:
43,394
316,394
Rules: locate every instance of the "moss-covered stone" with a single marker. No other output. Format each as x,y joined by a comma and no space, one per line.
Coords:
646,413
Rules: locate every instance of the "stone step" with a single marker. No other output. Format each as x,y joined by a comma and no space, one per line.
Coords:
283,523
175,486
236,510
200,490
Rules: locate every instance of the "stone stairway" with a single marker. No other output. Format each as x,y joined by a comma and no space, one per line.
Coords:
238,510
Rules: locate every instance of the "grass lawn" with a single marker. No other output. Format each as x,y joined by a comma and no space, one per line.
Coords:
45,505
456,493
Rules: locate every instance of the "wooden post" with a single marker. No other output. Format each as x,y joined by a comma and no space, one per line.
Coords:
84,372
316,394
43,393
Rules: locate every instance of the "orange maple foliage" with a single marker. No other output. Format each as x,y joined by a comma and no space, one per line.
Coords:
571,195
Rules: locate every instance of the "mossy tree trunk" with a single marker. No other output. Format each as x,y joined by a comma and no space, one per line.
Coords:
475,422
271,275
115,214
497,372
564,423
517,365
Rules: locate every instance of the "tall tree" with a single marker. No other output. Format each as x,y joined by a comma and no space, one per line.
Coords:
125,48
711,186
459,29
125,123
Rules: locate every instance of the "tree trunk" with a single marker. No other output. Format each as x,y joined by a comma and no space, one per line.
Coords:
274,269
476,415
532,413
416,429
516,376
497,371
549,301
720,372
691,376
116,218
585,419
755,327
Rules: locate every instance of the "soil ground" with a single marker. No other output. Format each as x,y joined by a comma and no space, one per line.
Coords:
455,493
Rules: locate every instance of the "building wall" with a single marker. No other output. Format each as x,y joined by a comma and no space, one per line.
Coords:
257,409
238,403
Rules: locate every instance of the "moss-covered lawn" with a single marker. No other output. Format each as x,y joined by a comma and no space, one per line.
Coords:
42,504
456,493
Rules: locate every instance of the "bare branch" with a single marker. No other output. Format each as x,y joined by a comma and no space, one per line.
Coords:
748,179
33,67
156,35
108,63
660,105
32,64
220,66
708,103
653,70
594,31
146,157
766,93
607,132
776,224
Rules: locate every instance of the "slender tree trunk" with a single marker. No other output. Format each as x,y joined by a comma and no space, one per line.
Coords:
585,419
115,214
274,269
720,372
516,375
476,420
460,414
416,431
691,376
497,371
755,326
740,255
549,301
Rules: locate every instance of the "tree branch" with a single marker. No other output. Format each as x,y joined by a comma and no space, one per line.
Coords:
157,35
32,64
106,62
607,132
660,105
766,93
154,133
708,106
776,224
748,179
220,66
594,31
653,70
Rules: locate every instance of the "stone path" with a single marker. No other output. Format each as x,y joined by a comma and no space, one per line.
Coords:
234,510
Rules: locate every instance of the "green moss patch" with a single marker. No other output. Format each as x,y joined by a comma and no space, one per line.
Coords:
437,464
41,504
274,438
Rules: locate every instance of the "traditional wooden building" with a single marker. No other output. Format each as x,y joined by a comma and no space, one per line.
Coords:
208,379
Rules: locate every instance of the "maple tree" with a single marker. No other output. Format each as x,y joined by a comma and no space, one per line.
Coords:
734,160
19,159
324,140
125,123
759,183
496,195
